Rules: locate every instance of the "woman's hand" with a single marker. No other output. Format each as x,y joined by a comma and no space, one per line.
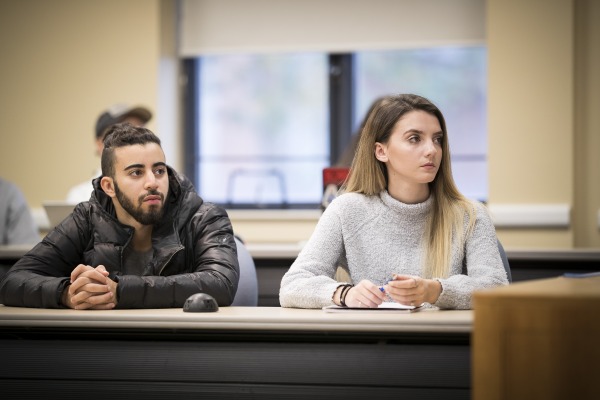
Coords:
365,295
412,290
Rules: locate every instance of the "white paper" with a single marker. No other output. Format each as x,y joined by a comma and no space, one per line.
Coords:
386,306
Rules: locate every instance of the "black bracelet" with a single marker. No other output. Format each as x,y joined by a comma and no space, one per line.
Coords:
343,294
343,287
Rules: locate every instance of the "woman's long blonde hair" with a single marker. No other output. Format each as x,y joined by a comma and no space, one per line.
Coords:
369,176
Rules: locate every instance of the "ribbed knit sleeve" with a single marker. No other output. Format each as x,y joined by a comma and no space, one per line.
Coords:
309,282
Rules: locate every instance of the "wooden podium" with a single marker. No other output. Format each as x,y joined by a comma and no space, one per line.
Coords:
537,340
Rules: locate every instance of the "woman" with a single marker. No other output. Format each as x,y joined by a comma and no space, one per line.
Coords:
402,230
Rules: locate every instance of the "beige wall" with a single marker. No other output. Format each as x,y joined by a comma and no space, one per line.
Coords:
530,113
587,123
543,135
65,60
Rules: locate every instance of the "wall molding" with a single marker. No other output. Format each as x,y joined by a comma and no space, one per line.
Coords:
275,215
531,215
503,215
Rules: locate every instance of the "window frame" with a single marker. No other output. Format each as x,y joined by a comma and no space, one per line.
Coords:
341,115
341,69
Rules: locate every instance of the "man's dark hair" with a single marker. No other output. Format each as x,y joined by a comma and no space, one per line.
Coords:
121,135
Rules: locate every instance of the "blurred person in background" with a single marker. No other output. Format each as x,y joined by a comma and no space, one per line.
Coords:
117,113
16,223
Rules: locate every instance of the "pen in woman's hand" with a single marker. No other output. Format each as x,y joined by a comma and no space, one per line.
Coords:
382,289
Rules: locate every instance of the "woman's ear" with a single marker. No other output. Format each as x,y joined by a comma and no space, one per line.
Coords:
381,152
108,186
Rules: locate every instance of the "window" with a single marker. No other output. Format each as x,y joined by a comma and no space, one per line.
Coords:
454,79
263,129
263,123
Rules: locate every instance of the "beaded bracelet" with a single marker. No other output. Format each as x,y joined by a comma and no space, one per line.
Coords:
344,287
344,292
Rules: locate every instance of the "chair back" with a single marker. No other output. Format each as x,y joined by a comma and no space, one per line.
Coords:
247,292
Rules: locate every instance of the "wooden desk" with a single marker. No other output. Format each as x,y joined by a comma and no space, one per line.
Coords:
537,340
238,352
13,252
540,264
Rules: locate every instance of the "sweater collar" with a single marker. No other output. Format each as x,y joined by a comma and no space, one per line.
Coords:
399,207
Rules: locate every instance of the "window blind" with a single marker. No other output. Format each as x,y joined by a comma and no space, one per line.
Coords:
269,26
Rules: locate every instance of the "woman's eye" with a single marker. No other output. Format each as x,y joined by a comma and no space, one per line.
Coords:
413,139
160,171
439,139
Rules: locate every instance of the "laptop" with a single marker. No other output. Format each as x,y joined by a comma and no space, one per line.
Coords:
57,211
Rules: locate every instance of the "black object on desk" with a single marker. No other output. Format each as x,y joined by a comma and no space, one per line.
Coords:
200,302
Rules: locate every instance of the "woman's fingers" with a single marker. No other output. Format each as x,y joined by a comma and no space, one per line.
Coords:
365,295
407,289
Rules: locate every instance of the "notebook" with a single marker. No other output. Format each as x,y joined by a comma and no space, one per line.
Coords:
57,211
386,306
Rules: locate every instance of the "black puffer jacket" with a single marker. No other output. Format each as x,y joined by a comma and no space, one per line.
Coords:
194,251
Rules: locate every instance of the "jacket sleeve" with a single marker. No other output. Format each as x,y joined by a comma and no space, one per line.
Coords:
213,267
40,276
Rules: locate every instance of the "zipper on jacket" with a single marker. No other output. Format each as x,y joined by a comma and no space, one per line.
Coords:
169,259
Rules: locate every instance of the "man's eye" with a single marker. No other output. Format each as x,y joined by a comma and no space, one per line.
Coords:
160,171
136,172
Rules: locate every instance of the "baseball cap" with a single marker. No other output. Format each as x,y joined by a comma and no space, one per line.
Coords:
118,113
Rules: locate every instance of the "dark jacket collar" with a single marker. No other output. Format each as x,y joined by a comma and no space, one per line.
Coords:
181,201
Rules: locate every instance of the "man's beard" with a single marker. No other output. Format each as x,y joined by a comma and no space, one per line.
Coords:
145,218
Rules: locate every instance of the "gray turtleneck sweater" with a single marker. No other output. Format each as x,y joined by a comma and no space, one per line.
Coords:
374,237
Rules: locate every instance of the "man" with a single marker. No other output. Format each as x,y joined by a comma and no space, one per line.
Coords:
144,240
117,113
